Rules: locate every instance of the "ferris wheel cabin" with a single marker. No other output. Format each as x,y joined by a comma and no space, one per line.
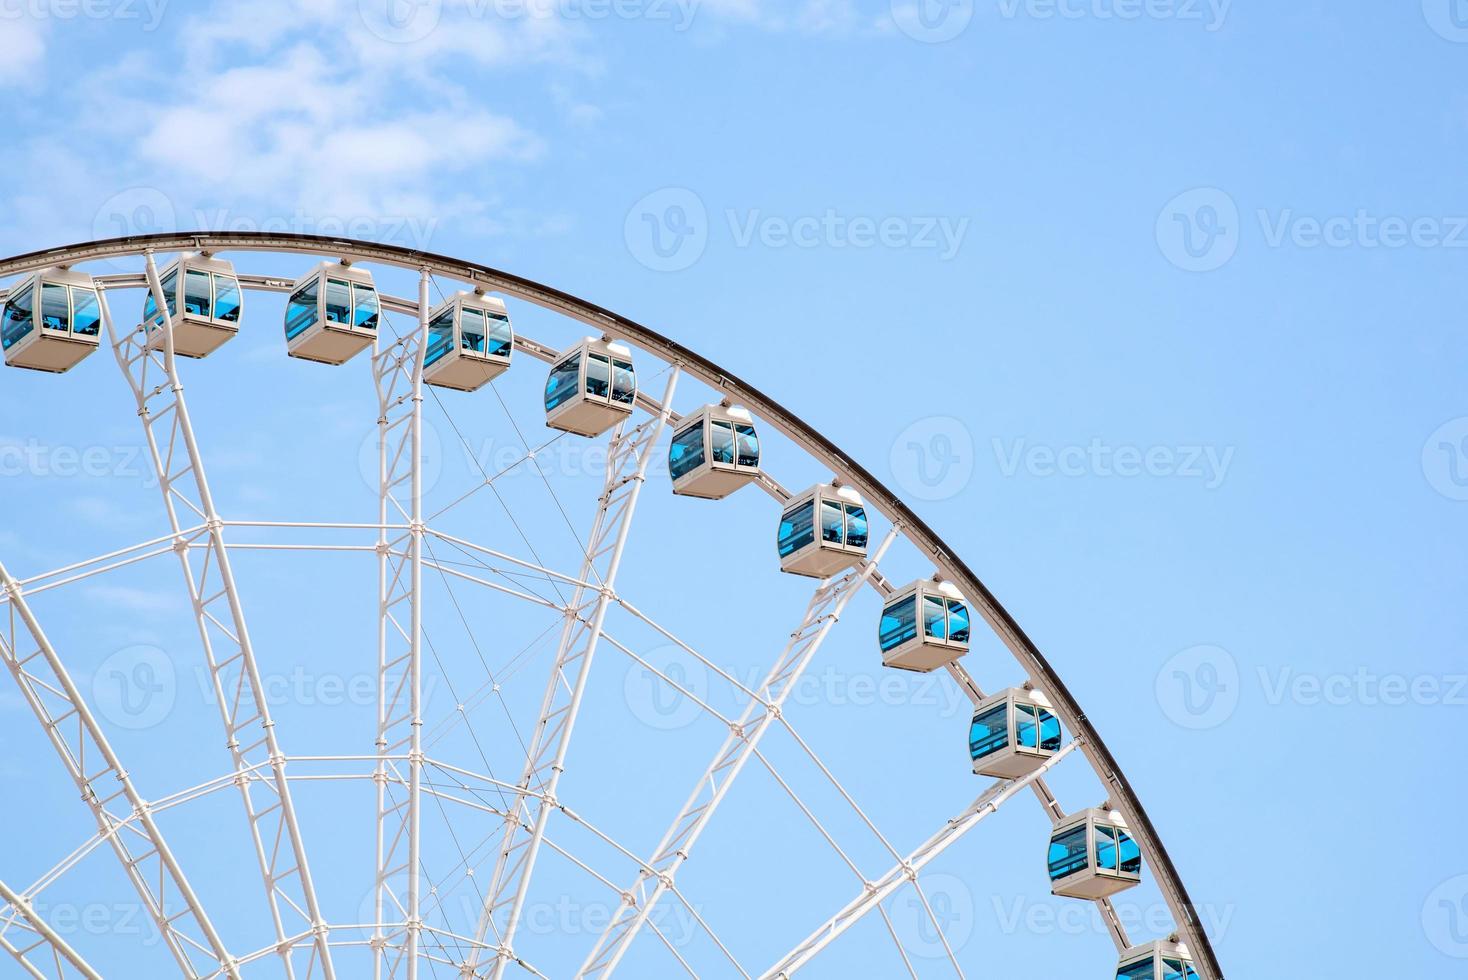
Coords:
51,321
469,342
924,627
332,315
591,388
1093,856
1167,960
1012,734
839,544
204,305
714,452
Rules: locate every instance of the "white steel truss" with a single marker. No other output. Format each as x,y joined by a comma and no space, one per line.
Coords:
58,956
877,892
152,374
397,371
825,609
103,782
628,457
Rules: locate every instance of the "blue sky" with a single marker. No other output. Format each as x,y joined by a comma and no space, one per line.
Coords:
1153,308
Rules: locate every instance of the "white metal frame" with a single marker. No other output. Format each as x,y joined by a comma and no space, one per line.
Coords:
400,766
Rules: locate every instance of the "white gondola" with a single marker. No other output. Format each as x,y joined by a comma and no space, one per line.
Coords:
1013,733
469,342
204,303
1092,855
1166,960
591,388
332,314
823,532
51,321
714,452
924,626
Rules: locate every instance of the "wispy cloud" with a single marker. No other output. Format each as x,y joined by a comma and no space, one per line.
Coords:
135,600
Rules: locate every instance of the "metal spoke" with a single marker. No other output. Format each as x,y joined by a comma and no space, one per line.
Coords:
61,955
628,457
151,370
825,608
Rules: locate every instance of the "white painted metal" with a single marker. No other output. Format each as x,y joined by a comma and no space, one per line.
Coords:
196,332
877,892
103,783
397,371
214,597
58,349
822,613
628,457
61,955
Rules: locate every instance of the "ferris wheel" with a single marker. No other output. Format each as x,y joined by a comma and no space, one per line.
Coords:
453,821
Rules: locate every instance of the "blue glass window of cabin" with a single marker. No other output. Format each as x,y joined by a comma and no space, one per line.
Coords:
365,307
1172,969
198,294
338,301
958,621
226,299
686,453
1106,854
797,528
746,444
624,382
19,320
471,330
501,337
833,527
899,623
1068,854
598,375
55,307
1140,970
440,337
300,311
86,312
1026,726
989,732
1049,731
935,617
856,526
721,442
563,383
1131,854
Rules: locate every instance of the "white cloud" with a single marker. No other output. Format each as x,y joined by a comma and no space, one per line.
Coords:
24,42
135,600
